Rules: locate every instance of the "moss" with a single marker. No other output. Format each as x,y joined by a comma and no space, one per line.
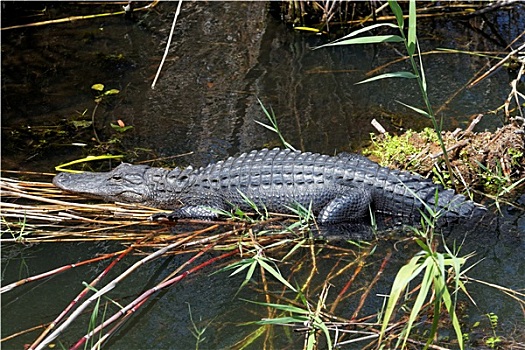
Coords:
394,150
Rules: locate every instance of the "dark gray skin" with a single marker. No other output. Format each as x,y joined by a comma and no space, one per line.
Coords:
342,188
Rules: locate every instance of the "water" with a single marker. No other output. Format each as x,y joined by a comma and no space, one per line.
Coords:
206,103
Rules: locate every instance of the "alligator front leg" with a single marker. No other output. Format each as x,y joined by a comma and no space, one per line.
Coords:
187,212
349,206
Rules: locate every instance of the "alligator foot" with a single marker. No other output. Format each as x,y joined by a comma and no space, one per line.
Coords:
159,217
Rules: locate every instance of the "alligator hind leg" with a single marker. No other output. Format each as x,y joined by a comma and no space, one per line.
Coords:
347,207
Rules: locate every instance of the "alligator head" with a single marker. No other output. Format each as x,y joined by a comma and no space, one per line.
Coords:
126,183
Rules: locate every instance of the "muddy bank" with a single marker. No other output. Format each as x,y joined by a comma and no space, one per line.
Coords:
484,161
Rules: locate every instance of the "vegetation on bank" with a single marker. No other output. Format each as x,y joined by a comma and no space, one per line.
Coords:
492,163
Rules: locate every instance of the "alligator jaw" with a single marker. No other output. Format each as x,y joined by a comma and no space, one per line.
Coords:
123,184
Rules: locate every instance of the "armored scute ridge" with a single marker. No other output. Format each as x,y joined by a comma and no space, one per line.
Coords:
342,188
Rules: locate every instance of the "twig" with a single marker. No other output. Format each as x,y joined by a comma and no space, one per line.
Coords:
474,122
348,284
378,126
515,92
93,121
499,64
167,45
451,148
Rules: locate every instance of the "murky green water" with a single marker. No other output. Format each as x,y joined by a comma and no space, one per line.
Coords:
206,103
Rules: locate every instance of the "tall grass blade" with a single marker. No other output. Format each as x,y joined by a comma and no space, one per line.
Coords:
367,40
426,284
357,32
422,71
275,127
398,12
443,294
411,39
403,278
62,167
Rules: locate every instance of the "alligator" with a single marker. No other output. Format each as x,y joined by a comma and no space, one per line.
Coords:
338,189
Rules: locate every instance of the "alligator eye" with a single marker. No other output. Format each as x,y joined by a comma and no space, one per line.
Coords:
116,177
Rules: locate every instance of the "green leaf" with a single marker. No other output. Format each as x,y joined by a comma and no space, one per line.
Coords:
275,273
248,276
97,87
407,75
405,274
398,13
367,40
426,283
411,40
285,307
121,128
283,320
322,326
239,266
81,123
452,313
422,70
415,109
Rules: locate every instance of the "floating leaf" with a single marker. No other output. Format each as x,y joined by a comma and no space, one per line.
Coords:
111,92
61,167
307,29
98,87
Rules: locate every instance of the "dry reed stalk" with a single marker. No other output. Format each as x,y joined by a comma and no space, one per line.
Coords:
56,271
81,295
348,284
78,18
112,284
40,211
25,331
369,288
134,305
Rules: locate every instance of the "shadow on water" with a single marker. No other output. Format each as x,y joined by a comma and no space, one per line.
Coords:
206,103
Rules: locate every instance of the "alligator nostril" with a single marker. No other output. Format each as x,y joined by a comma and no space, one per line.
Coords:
59,177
